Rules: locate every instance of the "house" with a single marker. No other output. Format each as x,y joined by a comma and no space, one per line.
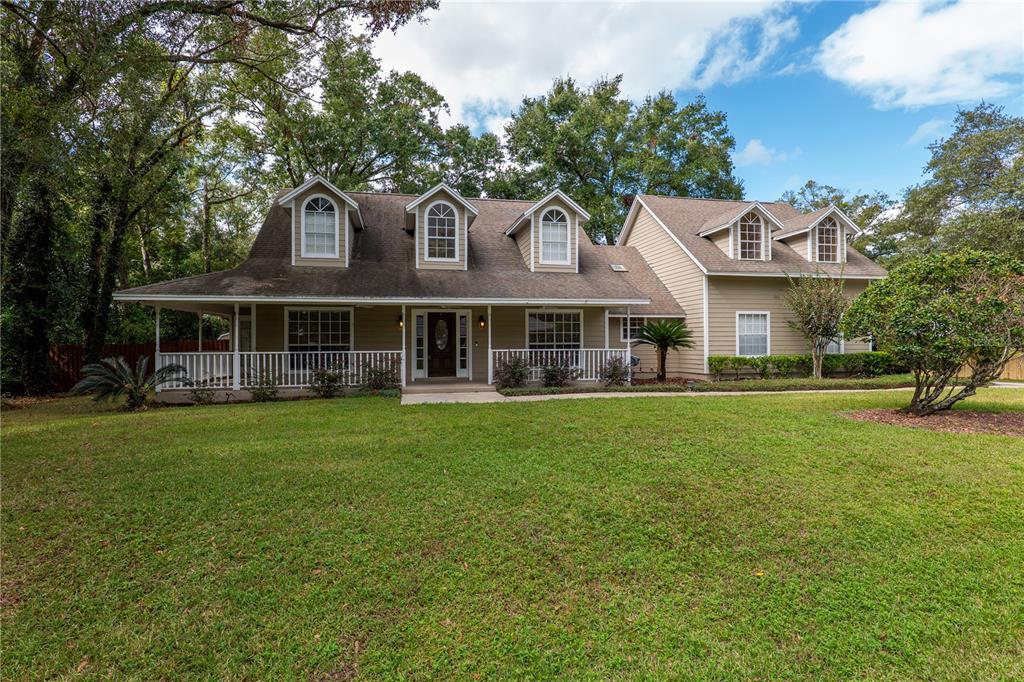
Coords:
727,263
435,287
443,288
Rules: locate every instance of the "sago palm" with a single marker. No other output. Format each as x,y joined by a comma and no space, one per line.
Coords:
665,335
112,378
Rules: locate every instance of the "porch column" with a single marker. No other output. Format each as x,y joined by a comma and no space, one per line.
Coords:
156,351
200,331
402,330
629,349
252,328
490,353
236,368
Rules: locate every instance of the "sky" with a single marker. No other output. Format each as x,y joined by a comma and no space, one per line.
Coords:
848,94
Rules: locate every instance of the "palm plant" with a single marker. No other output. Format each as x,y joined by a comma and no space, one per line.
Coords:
112,378
665,335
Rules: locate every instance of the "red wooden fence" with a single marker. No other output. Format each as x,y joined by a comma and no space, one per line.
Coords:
67,360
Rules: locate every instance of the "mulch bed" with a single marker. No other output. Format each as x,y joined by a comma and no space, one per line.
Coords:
952,421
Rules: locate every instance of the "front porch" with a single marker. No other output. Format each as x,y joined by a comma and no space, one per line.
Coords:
449,346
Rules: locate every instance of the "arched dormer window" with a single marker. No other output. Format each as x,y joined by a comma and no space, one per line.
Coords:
442,232
319,228
554,237
828,240
751,237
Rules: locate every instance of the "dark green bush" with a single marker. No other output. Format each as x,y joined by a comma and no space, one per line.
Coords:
867,364
615,372
380,378
326,382
263,387
201,395
511,373
559,375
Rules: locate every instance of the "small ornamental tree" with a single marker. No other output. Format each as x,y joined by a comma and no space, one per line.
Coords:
818,304
665,335
944,314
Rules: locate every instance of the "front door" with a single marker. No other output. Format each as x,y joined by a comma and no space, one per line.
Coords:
442,343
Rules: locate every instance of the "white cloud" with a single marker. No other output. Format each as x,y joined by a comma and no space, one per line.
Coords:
755,153
914,54
925,132
485,57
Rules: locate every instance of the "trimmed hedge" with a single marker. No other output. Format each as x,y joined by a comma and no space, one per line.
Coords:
780,385
868,364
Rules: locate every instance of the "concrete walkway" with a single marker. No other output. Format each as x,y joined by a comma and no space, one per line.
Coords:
495,397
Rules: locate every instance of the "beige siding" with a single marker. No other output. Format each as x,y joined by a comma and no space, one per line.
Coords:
538,266
728,295
721,240
798,243
681,277
523,242
421,231
376,328
343,231
648,355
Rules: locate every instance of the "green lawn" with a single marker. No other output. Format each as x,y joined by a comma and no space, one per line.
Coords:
705,537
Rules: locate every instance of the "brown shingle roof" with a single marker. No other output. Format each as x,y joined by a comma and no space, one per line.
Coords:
685,218
800,222
383,265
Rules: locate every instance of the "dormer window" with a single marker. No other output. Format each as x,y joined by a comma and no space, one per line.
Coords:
828,240
554,237
442,232
319,228
751,237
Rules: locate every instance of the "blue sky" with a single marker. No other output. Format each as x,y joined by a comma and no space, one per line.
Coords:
849,94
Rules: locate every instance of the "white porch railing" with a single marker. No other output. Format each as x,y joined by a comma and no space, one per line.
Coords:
287,370
588,361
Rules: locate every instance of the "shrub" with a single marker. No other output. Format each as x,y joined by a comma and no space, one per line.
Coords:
615,372
263,387
559,374
379,378
717,364
665,335
113,377
201,395
326,382
511,373
868,364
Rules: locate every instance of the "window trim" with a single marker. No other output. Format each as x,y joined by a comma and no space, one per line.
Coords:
568,237
623,327
351,325
739,237
526,326
302,227
426,233
842,347
768,330
817,240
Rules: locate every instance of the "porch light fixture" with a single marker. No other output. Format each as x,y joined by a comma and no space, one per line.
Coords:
401,322
482,322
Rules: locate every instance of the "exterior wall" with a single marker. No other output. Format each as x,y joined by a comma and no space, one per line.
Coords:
799,244
681,277
648,355
538,266
374,328
343,229
522,238
721,240
728,295
509,330
421,231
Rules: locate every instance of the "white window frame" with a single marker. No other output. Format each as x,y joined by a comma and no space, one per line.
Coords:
568,237
768,331
332,309
739,237
302,226
426,233
817,240
531,311
425,372
624,326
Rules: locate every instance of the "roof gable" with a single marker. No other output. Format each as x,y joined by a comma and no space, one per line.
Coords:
806,221
411,206
556,194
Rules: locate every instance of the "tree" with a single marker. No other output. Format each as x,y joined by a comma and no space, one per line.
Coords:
113,377
596,145
818,304
665,335
943,314
973,196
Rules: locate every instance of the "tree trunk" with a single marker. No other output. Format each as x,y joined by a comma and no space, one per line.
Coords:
662,354
94,276
816,360
207,230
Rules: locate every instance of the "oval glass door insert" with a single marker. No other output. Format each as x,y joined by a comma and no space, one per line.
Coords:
441,334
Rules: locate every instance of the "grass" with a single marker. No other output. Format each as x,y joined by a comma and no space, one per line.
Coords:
740,386
718,538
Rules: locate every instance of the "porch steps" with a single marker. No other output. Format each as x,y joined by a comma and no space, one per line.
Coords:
428,386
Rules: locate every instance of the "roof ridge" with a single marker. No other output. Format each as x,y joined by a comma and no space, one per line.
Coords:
738,201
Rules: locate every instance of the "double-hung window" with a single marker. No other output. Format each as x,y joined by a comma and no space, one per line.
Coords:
751,241
319,228
313,330
752,334
442,232
630,327
554,330
828,240
554,237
